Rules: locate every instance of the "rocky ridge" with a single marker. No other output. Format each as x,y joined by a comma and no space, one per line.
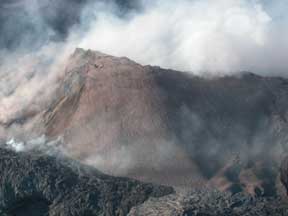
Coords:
36,184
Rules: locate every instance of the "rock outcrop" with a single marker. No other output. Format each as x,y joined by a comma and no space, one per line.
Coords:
35,184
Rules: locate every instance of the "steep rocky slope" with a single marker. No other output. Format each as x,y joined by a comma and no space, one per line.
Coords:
167,126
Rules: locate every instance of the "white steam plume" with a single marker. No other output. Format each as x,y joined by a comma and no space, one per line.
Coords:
219,36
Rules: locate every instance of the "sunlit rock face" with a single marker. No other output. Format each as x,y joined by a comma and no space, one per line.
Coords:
111,113
167,126
107,99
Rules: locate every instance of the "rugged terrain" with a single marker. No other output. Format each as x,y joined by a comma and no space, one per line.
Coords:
210,203
36,184
165,126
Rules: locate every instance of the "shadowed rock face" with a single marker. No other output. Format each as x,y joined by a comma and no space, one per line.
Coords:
35,184
32,184
170,127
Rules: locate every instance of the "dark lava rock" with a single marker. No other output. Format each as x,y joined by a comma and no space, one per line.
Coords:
284,172
211,203
34,184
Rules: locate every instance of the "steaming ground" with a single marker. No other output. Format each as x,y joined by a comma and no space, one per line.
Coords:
160,125
202,37
148,115
41,144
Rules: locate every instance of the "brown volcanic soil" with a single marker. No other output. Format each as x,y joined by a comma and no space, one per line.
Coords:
116,92
170,127
112,114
